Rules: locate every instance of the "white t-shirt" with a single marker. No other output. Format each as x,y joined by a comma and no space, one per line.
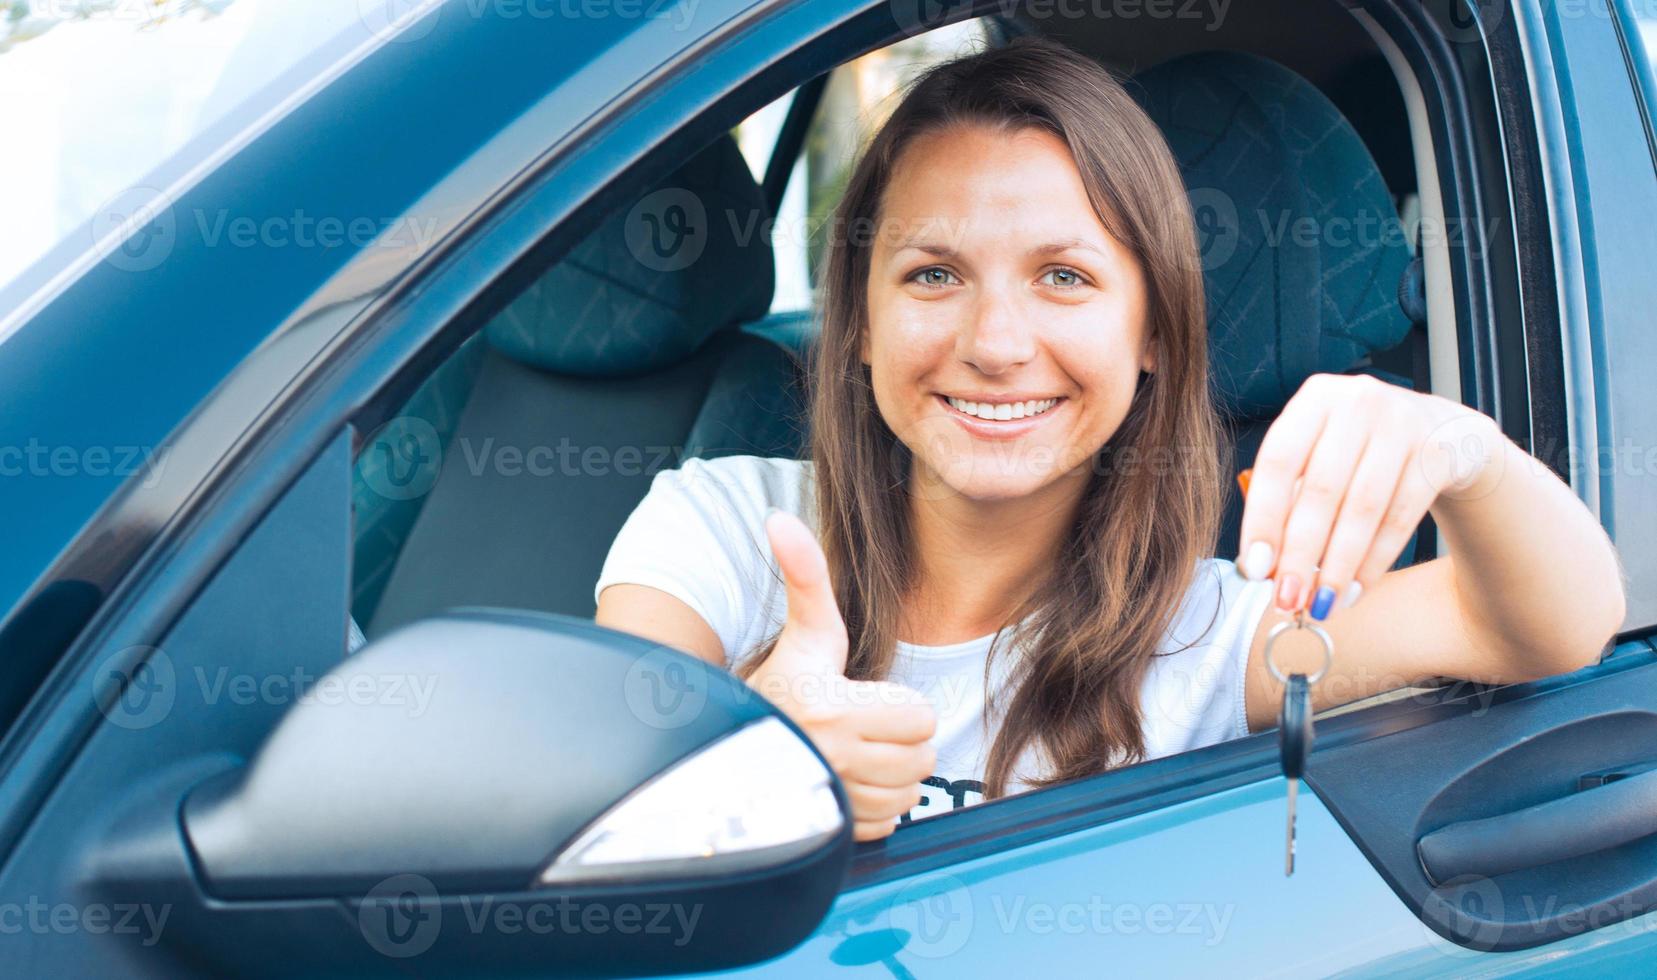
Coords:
699,535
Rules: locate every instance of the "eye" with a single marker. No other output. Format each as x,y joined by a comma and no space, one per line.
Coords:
1063,277
934,276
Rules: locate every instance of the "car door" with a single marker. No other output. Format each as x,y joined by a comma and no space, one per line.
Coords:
1172,865
1452,832
205,604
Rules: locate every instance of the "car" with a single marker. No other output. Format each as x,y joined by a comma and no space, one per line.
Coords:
393,343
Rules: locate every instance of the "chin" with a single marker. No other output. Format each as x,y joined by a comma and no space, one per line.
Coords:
991,477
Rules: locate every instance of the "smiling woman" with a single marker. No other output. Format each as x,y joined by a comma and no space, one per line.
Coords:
993,573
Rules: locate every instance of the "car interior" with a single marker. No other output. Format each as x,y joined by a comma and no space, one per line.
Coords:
617,370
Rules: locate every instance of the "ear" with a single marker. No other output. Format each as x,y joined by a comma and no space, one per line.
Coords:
1147,361
863,346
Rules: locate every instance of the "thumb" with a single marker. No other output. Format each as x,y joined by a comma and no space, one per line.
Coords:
814,637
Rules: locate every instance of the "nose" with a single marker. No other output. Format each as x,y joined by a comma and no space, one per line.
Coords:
994,337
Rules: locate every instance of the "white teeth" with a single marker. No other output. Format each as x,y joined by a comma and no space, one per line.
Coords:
1003,411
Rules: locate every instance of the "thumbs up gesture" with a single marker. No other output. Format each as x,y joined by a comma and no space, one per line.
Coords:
873,733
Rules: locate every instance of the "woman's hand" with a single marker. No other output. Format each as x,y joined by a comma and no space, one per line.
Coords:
1344,476
873,733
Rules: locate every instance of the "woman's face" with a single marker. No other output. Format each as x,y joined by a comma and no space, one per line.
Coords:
1006,326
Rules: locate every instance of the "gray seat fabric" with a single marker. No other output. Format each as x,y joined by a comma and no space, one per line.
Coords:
1267,157
613,365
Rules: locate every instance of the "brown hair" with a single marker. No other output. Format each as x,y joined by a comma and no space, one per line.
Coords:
1150,510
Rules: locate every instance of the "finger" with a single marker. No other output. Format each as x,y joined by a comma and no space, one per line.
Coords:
1278,464
1374,485
1329,472
873,829
813,618
890,764
890,712
871,802
1414,496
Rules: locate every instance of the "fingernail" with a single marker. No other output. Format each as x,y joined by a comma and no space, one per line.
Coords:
1257,561
1322,601
1353,591
1288,593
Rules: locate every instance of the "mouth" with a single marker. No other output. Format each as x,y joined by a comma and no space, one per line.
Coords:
1002,411
1000,420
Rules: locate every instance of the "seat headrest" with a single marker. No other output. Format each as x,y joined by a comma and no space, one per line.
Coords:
1302,249
656,279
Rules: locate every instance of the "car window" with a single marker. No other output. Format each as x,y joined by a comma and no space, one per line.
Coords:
101,97
1638,21
856,101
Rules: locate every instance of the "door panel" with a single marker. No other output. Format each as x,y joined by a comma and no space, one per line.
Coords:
265,629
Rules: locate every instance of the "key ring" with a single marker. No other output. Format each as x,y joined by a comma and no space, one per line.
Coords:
1300,623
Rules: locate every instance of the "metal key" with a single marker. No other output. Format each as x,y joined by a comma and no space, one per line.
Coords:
1294,720
1294,741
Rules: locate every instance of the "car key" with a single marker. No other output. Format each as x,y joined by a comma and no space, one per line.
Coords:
1294,720
1294,741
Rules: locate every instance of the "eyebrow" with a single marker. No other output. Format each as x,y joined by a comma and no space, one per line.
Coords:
1051,248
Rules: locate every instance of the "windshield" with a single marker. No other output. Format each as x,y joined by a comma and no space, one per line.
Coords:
105,99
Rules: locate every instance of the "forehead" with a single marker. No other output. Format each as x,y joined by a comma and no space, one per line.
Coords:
982,184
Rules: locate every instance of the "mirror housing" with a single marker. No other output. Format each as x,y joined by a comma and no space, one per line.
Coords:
501,791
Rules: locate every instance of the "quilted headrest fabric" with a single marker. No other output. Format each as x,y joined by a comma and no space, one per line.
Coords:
654,281
1301,246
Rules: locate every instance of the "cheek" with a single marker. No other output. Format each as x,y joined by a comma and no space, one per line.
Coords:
902,346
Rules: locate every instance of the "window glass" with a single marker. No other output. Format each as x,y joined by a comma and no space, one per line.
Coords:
99,94
859,96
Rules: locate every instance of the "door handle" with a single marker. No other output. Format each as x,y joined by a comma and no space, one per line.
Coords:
1606,816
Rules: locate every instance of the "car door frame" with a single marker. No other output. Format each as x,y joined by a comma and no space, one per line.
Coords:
355,373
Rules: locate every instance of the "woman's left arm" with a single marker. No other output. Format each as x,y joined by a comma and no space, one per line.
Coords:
1531,585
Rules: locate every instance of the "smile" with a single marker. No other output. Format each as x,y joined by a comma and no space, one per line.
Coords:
1001,411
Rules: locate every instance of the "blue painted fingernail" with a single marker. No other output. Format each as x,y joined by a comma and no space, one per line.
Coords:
1322,601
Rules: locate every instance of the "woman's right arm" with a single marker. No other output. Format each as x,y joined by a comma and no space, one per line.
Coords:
660,618
875,734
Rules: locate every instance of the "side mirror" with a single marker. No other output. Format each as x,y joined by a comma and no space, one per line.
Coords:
561,798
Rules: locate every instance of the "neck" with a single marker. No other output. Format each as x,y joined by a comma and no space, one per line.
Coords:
978,560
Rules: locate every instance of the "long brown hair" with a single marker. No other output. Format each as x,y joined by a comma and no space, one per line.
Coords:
1151,507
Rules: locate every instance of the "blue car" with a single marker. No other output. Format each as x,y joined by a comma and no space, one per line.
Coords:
322,409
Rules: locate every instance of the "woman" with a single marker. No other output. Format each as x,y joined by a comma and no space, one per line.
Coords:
1016,477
